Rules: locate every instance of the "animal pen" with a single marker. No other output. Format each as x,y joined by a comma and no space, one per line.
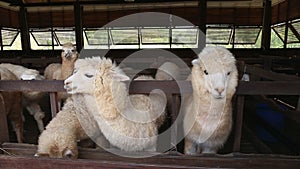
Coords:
270,98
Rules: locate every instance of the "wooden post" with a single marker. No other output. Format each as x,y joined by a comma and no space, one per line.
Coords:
298,105
78,26
174,116
238,123
25,40
266,29
4,137
202,4
54,103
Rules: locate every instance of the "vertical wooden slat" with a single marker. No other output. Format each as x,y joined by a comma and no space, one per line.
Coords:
78,25
202,5
25,38
54,103
4,137
174,115
238,123
266,29
298,105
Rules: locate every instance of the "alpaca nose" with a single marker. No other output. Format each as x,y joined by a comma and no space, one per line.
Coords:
219,90
67,82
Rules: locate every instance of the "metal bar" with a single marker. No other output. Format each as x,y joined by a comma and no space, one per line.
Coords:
238,123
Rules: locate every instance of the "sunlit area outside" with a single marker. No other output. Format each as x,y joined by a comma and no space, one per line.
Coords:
229,36
11,39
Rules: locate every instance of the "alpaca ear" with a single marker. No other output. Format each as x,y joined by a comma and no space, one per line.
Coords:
120,77
195,62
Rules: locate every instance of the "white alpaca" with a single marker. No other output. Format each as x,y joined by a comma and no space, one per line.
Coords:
12,104
208,111
168,71
127,122
31,99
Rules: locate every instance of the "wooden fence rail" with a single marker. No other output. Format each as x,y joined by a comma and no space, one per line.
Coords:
171,88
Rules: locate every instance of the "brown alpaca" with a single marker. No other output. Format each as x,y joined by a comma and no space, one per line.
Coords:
57,71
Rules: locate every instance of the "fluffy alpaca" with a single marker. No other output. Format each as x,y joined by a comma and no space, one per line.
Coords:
31,99
168,71
13,104
72,124
112,106
208,111
56,71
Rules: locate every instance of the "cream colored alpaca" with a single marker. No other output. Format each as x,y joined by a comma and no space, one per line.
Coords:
12,104
168,71
72,124
208,111
32,98
126,127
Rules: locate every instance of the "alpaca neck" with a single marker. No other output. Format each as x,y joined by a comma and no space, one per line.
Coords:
112,98
67,69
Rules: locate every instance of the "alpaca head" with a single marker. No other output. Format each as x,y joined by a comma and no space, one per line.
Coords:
216,68
31,74
69,52
82,79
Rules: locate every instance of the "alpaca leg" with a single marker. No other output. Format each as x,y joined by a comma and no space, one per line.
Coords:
35,110
210,150
151,149
189,147
102,142
18,127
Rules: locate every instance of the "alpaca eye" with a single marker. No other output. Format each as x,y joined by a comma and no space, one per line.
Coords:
205,72
228,73
89,75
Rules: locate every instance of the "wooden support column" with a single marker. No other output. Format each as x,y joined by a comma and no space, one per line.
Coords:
266,29
238,124
286,25
54,103
4,137
25,38
202,4
78,26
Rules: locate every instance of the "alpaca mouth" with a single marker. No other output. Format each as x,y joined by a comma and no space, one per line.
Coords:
69,89
68,55
218,96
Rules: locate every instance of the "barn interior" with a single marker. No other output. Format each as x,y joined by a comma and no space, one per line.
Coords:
263,35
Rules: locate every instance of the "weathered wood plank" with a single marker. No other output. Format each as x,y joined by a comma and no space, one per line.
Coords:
171,87
238,123
270,75
4,137
95,158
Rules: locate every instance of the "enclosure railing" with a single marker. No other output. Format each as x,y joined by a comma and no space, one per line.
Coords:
170,88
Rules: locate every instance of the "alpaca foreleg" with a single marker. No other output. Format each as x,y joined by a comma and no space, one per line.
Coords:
190,147
35,110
